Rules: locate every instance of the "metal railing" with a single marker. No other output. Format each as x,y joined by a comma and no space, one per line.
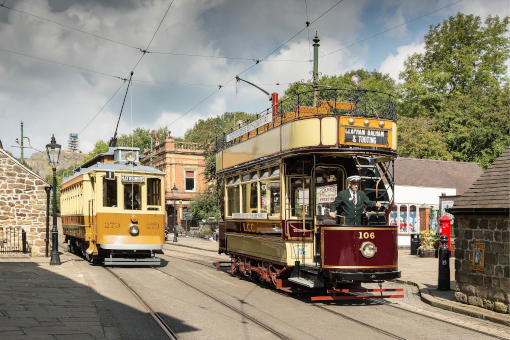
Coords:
13,240
326,102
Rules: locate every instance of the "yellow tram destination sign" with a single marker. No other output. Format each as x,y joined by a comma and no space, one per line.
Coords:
133,179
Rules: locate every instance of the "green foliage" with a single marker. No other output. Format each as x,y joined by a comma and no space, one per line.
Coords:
205,204
428,240
141,138
459,86
204,132
100,147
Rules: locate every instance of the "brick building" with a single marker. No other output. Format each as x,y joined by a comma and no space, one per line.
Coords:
22,207
482,255
183,164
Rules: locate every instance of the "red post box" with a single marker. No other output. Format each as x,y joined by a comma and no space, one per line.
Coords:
446,229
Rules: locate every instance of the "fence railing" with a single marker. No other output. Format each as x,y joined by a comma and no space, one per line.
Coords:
13,240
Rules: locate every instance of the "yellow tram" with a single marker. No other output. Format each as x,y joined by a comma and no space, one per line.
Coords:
113,209
279,175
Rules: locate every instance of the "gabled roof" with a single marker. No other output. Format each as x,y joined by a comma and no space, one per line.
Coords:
491,190
436,174
8,156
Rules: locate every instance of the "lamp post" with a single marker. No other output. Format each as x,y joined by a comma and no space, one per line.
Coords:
47,239
53,150
174,195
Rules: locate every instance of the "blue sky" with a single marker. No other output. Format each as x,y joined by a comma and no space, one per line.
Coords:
59,59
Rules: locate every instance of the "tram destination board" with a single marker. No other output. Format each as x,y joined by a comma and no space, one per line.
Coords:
360,136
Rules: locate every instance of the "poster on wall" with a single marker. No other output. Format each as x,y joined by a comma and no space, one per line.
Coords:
478,256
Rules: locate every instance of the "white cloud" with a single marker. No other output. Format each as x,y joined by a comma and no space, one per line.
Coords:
394,63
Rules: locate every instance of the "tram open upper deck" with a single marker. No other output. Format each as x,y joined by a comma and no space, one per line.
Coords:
280,173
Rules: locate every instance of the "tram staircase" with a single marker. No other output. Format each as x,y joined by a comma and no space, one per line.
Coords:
375,178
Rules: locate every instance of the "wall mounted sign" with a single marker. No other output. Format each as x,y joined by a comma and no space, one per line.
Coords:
478,256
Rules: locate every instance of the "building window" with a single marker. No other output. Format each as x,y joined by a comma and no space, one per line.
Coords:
190,180
109,192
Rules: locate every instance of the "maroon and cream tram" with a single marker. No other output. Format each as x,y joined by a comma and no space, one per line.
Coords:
279,175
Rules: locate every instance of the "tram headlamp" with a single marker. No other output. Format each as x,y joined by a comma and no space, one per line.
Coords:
134,230
368,249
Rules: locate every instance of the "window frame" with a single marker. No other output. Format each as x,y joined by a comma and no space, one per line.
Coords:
194,180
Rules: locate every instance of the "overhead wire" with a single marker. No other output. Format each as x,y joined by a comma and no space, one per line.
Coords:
258,61
389,29
41,18
60,63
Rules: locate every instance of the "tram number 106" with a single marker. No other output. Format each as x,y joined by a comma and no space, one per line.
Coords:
366,235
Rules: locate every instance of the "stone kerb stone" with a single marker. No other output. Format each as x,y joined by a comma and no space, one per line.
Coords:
22,203
489,288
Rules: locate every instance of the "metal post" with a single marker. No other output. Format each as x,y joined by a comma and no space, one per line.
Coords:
150,159
47,239
443,282
22,157
55,257
175,221
315,68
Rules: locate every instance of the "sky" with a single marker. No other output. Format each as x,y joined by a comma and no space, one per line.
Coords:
64,63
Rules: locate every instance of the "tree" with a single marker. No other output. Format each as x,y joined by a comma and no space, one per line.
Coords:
427,143
141,138
459,84
204,132
205,204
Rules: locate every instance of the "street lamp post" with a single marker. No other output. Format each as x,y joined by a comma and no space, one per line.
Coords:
47,239
174,194
53,150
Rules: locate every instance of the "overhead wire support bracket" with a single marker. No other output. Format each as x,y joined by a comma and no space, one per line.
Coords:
113,141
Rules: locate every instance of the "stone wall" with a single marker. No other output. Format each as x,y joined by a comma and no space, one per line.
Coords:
23,202
488,288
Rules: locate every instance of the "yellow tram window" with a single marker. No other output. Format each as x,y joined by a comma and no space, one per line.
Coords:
153,193
233,200
110,192
132,199
299,193
270,197
250,197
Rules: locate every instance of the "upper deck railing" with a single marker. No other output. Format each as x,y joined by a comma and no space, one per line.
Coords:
327,102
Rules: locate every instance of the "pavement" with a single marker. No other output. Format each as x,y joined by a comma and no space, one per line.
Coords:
76,300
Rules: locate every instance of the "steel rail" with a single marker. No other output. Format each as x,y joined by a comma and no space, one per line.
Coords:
155,315
225,304
377,329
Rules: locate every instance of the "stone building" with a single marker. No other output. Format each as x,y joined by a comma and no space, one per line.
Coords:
22,206
183,164
482,263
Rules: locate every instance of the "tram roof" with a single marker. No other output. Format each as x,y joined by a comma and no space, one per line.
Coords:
115,167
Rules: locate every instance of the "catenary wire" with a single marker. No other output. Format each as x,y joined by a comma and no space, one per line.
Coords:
389,29
59,63
41,18
258,61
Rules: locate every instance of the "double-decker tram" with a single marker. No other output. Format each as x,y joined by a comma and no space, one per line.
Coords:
113,209
279,176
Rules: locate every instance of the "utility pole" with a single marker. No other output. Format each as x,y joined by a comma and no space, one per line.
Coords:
21,144
315,68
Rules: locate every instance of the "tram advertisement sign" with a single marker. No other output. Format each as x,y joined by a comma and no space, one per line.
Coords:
326,194
366,136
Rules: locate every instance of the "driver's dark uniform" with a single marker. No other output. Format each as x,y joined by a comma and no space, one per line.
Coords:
351,212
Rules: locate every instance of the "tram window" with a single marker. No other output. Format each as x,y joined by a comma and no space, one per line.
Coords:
270,197
230,181
299,196
250,197
132,196
110,192
153,191
233,200
327,181
264,173
246,177
275,172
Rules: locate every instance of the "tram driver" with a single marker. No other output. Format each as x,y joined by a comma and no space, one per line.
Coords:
352,201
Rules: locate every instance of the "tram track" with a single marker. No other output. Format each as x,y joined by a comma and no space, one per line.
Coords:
225,304
378,302
155,315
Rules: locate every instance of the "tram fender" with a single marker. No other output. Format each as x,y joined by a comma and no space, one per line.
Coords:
92,249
